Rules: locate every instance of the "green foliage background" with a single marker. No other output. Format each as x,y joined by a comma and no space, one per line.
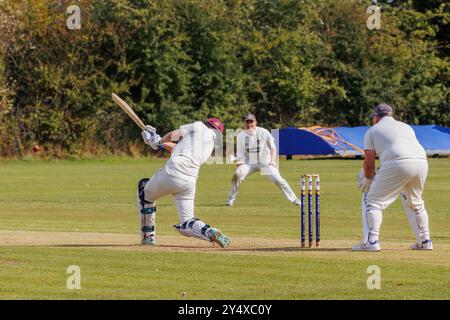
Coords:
291,62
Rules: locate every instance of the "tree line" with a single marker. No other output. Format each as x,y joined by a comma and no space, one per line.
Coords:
291,62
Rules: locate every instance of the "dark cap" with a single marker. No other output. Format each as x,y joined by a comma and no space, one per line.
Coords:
250,116
382,110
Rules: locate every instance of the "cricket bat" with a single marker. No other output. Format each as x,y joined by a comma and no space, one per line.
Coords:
125,107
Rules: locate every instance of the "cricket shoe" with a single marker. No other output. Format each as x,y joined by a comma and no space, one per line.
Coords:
218,237
229,203
367,246
426,245
150,240
297,202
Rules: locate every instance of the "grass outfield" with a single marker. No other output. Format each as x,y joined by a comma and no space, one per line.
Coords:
56,214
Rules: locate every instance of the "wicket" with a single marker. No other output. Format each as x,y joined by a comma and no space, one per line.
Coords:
310,209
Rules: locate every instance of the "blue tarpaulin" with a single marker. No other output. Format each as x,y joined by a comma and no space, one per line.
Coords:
434,139
293,141
347,141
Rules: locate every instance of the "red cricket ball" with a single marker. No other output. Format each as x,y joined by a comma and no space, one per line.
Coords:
36,149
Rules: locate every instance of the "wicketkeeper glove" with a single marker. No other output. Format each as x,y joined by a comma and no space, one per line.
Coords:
366,185
363,184
360,179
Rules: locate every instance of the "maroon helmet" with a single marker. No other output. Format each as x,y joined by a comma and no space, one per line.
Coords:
216,124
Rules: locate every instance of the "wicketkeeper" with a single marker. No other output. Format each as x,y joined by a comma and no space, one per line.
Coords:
403,171
256,151
178,178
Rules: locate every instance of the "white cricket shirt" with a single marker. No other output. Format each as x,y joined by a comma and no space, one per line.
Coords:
393,140
254,148
192,151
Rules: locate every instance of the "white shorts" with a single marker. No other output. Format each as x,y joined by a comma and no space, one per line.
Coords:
398,176
182,191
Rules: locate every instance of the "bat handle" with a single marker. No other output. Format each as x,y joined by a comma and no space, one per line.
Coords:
149,128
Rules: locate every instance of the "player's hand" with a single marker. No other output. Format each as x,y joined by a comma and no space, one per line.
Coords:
273,164
239,163
366,185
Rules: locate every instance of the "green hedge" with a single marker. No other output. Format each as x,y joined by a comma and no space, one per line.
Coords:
291,62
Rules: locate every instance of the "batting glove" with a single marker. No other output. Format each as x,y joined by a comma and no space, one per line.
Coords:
152,139
150,129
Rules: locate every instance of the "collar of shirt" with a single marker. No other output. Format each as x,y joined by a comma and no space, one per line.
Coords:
386,118
252,132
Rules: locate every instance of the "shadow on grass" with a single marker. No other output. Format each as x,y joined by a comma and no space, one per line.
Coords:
193,248
190,247
137,245
290,249
88,245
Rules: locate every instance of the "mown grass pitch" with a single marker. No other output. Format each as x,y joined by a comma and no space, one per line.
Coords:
56,214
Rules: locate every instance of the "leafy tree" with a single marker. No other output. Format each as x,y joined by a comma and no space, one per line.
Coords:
291,62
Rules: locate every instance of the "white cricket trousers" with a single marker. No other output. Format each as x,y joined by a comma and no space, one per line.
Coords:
406,177
398,176
182,191
244,170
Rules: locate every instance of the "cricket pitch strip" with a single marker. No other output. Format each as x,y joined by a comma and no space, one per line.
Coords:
392,251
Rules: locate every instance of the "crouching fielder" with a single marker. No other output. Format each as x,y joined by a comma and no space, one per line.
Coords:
178,178
403,171
256,151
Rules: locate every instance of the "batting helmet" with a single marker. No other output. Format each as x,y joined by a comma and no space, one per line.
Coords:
216,124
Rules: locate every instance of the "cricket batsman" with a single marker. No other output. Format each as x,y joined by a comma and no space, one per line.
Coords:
403,172
256,151
178,178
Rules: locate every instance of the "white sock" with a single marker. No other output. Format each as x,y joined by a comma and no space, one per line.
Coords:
365,234
422,222
374,219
